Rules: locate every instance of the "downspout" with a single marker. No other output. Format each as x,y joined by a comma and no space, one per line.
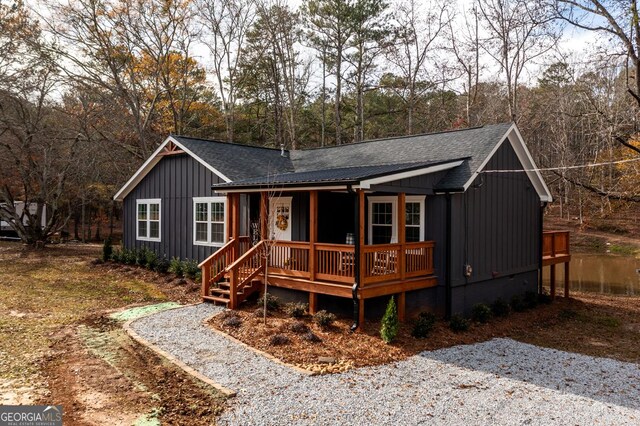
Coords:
448,254
356,263
540,242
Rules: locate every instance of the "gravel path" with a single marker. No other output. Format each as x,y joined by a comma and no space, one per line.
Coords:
499,382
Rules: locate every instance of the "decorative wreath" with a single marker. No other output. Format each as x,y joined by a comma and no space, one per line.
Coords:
282,222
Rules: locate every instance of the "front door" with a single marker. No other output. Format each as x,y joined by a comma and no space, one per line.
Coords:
280,217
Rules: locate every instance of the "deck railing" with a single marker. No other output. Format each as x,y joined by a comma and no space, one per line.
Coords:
335,262
555,243
243,271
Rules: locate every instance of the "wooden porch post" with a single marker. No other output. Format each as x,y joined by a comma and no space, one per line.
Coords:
552,281
402,219
235,218
359,275
264,208
313,238
566,279
229,216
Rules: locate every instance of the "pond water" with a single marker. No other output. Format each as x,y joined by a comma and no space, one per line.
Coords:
599,273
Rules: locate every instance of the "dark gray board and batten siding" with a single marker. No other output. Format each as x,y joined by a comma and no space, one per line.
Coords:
495,230
176,180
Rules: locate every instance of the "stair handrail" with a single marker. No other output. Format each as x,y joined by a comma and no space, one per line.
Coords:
206,266
236,282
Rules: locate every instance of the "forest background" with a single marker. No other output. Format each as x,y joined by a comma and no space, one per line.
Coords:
90,88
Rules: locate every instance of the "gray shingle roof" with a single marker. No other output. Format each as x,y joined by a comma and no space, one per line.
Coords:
248,165
342,175
237,161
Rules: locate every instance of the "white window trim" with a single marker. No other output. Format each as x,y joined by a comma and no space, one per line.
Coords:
149,201
394,214
209,200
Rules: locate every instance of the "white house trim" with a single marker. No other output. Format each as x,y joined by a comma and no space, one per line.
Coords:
209,200
155,159
148,202
366,184
523,154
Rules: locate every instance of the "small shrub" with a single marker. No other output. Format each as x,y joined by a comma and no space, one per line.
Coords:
481,313
162,265
259,313
190,269
198,277
500,308
141,256
116,256
273,303
232,321
107,250
175,266
310,336
151,259
279,340
517,304
299,327
424,324
390,323
458,323
296,309
323,318
530,299
227,313
128,256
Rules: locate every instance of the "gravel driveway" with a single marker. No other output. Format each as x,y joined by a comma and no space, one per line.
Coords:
499,382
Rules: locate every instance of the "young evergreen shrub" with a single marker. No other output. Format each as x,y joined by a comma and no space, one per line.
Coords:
190,268
530,299
299,327
458,323
273,303
500,308
232,321
390,324
151,259
116,256
129,256
141,256
162,265
296,309
279,339
517,304
175,266
323,318
107,250
310,336
424,324
481,313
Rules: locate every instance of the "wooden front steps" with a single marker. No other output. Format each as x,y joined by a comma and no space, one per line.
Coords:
221,293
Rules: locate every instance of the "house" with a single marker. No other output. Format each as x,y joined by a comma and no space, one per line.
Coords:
443,220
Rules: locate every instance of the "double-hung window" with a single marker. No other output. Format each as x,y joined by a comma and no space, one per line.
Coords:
383,219
209,221
148,219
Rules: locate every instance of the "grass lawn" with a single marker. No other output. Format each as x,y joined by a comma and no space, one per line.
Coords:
57,344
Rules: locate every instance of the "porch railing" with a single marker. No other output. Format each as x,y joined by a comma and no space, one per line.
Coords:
555,243
336,262
214,267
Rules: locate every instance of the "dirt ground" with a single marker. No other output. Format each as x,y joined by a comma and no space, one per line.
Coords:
58,345
589,324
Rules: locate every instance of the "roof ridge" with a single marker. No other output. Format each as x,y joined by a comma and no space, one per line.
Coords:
225,142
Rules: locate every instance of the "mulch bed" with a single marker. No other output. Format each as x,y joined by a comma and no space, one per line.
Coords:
578,324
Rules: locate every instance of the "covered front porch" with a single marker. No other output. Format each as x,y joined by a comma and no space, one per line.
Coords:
353,243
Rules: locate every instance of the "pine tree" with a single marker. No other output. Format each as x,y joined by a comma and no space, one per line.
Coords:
390,323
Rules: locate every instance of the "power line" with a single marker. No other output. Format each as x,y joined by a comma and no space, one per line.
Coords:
581,166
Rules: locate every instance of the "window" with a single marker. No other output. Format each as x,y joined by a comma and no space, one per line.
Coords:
383,221
414,219
209,221
148,220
